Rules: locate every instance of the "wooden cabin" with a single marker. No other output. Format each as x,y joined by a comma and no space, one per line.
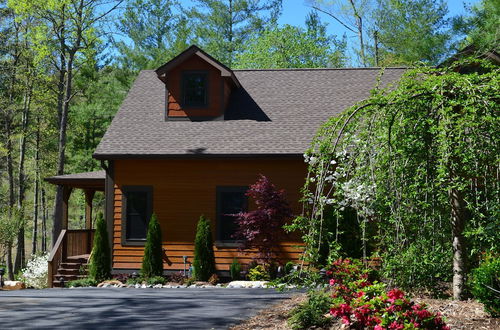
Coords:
189,140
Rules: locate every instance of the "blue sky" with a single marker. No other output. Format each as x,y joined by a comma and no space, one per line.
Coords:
295,12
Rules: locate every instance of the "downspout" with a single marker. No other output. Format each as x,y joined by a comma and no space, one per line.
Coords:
109,197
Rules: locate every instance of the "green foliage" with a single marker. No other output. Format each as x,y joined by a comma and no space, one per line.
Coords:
485,285
258,273
154,280
100,260
420,265
235,269
480,26
10,222
293,47
395,157
152,263
397,22
83,282
100,95
312,312
224,27
156,32
204,258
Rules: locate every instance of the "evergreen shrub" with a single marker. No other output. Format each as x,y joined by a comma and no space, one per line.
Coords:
485,285
235,269
152,263
100,260
204,258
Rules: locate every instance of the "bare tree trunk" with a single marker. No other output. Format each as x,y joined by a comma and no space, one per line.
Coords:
10,175
359,28
36,189
459,216
10,268
62,151
44,221
21,251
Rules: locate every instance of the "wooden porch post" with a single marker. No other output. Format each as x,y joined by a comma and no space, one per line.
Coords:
65,204
89,197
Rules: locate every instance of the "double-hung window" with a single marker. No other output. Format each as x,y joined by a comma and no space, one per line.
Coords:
137,209
194,89
230,201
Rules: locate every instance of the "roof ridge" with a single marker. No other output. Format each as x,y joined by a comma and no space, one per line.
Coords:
325,69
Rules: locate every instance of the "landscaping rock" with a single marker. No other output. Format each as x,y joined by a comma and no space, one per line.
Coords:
247,284
157,286
108,283
137,286
13,285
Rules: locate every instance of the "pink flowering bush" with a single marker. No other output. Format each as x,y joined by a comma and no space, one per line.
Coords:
363,304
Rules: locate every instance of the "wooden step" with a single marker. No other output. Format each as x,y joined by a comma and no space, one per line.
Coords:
70,265
57,279
68,271
72,268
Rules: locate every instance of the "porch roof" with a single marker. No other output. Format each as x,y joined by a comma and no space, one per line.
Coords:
85,180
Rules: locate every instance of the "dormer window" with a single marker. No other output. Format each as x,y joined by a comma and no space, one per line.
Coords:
194,89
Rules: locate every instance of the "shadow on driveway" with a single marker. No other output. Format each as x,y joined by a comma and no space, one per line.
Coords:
97,308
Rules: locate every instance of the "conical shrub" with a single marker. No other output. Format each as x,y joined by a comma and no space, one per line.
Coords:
152,263
100,260
204,259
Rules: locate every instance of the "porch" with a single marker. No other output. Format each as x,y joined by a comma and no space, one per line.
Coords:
71,251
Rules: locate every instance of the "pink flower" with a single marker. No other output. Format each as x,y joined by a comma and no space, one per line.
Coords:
360,294
346,320
395,294
423,314
332,282
395,325
378,327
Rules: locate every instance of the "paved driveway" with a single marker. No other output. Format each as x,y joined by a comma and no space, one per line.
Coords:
93,308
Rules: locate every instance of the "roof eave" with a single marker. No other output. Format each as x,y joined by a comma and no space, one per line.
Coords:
103,156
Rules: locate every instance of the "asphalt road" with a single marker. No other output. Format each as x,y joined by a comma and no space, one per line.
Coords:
115,308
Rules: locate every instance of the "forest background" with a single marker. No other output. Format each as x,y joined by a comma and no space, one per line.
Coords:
66,66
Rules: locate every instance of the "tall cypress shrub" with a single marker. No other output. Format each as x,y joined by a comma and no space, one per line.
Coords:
152,263
100,260
204,258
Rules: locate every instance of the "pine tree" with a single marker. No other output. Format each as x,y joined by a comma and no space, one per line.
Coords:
100,262
204,259
152,264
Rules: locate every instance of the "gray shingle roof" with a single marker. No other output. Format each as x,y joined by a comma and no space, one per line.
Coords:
276,112
94,175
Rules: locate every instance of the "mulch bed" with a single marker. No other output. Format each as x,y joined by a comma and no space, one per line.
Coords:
467,314
274,317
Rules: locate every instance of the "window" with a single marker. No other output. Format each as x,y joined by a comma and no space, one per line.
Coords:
136,211
194,89
230,200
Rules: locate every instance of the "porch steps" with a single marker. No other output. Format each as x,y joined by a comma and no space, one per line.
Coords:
72,268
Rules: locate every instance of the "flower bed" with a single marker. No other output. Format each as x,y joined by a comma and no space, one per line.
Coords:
361,303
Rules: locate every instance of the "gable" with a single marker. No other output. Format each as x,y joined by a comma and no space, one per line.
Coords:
198,87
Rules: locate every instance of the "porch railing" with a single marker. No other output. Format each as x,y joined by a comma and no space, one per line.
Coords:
69,243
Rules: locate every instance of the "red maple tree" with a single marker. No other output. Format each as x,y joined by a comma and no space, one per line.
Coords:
262,228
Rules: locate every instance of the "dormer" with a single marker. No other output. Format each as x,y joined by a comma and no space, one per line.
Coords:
197,86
